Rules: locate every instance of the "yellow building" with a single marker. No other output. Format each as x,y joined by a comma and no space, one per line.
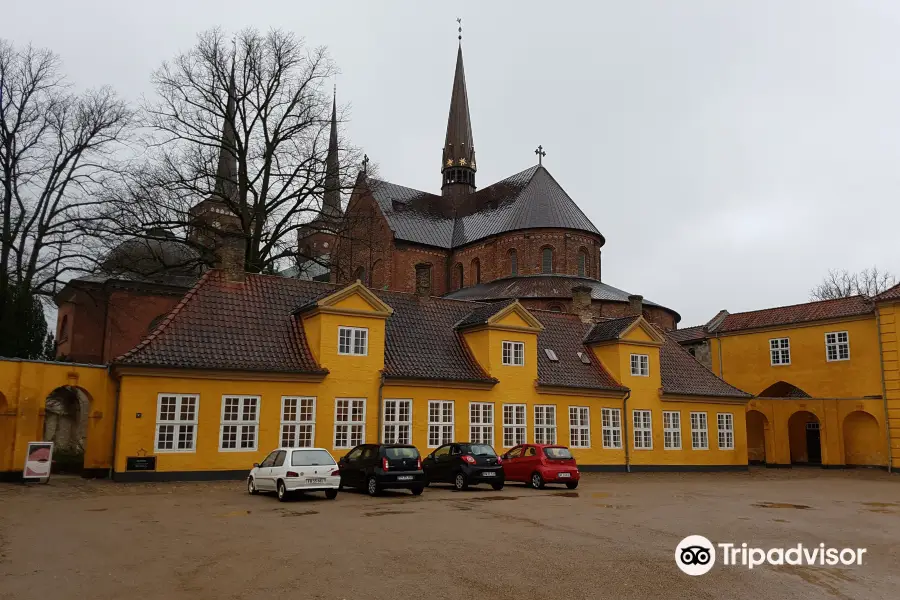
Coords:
247,363
824,376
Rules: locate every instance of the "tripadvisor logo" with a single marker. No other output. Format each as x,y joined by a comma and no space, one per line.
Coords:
696,555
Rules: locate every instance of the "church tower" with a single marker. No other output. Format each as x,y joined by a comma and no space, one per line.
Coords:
458,157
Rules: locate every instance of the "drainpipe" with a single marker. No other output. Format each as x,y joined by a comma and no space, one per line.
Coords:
115,440
719,345
625,437
884,398
380,406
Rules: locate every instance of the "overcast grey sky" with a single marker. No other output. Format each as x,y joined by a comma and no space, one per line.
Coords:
730,152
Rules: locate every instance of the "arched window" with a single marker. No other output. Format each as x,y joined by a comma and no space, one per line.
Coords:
582,263
556,308
64,329
360,274
513,262
547,260
458,276
476,271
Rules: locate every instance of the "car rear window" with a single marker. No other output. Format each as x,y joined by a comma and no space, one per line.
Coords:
395,453
558,453
311,458
481,450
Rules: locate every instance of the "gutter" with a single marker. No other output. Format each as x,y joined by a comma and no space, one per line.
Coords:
118,411
625,437
380,407
719,346
887,419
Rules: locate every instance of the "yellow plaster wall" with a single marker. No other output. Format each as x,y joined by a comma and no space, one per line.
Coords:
746,360
890,344
24,387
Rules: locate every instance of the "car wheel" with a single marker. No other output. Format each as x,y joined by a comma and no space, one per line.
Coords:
372,486
251,487
572,485
497,486
537,482
331,494
460,482
282,492
417,491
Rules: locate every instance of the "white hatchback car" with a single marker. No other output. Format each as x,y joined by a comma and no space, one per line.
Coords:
288,470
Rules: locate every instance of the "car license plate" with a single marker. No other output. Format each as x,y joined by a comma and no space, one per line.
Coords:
404,477
564,475
489,474
315,480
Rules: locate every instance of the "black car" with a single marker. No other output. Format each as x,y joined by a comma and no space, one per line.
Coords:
377,467
464,464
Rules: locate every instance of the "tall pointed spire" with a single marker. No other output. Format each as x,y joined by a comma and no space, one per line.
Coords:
227,170
331,206
458,157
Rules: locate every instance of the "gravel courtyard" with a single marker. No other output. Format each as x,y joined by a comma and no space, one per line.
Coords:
614,537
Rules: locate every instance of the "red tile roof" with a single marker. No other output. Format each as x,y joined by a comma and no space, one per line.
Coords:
797,313
889,294
688,334
683,374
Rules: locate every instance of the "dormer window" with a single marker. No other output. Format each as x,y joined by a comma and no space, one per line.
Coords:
353,341
514,354
640,365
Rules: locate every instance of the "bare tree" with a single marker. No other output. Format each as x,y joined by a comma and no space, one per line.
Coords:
842,284
240,133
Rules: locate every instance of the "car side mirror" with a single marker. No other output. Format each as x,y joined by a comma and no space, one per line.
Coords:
255,465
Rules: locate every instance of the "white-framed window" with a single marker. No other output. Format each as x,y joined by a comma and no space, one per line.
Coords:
481,423
640,365
545,424
514,353
725,422
440,422
579,427
611,427
643,429
514,426
397,422
671,430
176,423
298,422
837,346
780,351
349,422
353,341
699,431
240,423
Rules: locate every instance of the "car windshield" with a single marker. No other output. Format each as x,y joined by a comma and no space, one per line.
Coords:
481,450
557,453
310,458
395,453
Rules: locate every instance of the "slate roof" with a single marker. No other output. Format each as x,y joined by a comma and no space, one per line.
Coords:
527,200
563,334
683,374
687,335
889,294
480,315
797,313
608,330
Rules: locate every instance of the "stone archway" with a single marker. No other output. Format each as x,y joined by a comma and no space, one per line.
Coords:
757,431
805,438
783,389
863,441
66,412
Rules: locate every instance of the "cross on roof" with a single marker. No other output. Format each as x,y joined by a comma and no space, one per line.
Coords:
540,154
365,164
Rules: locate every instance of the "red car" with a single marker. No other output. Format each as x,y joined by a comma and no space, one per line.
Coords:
540,464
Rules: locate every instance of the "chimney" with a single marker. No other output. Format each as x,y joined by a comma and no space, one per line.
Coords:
423,280
230,256
636,304
581,303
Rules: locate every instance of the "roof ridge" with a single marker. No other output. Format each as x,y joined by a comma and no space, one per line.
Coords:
169,318
810,303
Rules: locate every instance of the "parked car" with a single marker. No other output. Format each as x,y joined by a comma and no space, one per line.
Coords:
464,464
286,471
540,464
377,467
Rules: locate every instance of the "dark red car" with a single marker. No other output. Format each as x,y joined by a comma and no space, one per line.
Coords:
540,464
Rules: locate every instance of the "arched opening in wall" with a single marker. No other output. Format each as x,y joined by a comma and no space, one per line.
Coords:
360,275
783,389
547,260
66,412
458,280
757,430
805,438
513,262
582,263
376,276
476,271
863,441
555,308
64,330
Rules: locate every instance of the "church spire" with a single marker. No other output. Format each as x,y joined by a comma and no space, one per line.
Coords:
226,172
331,206
458,158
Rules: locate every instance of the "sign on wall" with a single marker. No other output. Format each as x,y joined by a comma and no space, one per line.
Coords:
140,463
38,460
